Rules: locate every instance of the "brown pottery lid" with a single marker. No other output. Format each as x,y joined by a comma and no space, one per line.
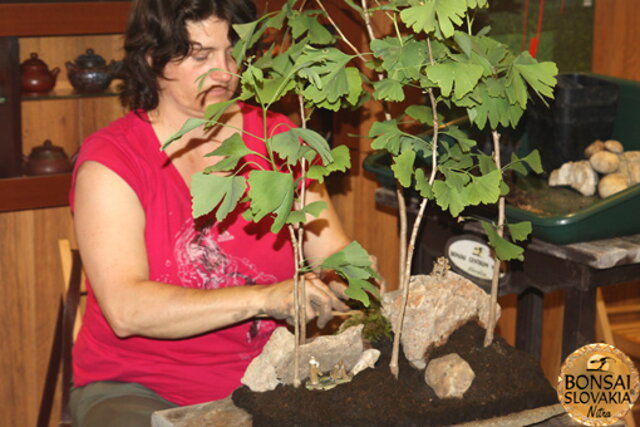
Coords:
34,63
47,151
90,60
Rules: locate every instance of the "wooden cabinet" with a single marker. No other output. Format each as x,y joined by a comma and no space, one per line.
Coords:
58,33
33,212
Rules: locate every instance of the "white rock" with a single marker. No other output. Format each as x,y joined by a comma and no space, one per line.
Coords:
435,309
579,175
261,373
327,350
449,376
367,360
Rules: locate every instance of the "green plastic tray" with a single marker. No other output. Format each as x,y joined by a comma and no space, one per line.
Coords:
617,215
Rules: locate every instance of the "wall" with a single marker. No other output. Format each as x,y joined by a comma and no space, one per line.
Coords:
616,37
31,279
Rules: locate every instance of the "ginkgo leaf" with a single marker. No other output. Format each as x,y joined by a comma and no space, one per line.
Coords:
461,77
388,90
402,167
422,184
420,17
450,13
402,60
271,192
287,146
505,250
485,163
539,75
354,81
306,23
341,162
533,160
356,292
463,140
273,89
300,216
315,141
421,113
435,16
188,126
516,165
352,254
386,136
208,191
448,198
233,147
520,230
483,189
213,112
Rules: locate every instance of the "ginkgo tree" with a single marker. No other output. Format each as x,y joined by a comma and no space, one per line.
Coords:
275,189
454,67
432,47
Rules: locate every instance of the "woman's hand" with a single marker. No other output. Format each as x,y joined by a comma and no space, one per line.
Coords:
320,300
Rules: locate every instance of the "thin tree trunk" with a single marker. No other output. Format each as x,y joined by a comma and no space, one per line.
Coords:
402,204
300,259
296,310
404,284
488,338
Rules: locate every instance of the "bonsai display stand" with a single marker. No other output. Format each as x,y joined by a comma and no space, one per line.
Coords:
578,269
225,413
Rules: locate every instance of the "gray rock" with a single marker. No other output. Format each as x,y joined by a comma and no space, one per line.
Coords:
261,373
275,364
436,307
327,350
449,376
217,413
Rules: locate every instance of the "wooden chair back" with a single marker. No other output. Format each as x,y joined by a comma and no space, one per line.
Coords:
68,324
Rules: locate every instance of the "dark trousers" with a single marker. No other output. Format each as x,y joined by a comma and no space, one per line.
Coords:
115,404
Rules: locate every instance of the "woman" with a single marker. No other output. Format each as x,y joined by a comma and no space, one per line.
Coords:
169,321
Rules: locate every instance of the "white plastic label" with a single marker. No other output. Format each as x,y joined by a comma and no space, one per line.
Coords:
472,257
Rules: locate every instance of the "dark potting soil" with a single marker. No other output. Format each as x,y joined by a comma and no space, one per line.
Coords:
533,194
507,381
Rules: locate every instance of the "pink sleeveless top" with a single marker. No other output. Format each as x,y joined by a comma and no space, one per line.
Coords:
202,254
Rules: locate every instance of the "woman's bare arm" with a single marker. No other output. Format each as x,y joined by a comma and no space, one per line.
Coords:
110,225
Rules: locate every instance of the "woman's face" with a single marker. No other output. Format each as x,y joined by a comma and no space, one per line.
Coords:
211,49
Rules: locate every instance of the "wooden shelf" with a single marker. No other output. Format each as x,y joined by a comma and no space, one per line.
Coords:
63,18
34,192
67,94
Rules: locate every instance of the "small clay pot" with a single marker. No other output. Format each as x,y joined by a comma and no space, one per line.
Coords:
47,159
90,73
36,78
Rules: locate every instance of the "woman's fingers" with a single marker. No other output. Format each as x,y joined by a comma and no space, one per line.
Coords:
321,300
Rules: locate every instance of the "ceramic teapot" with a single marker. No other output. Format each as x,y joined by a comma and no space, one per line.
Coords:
36,78
47,159
90,73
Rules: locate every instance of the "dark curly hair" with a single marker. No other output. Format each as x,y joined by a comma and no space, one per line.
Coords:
156,34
